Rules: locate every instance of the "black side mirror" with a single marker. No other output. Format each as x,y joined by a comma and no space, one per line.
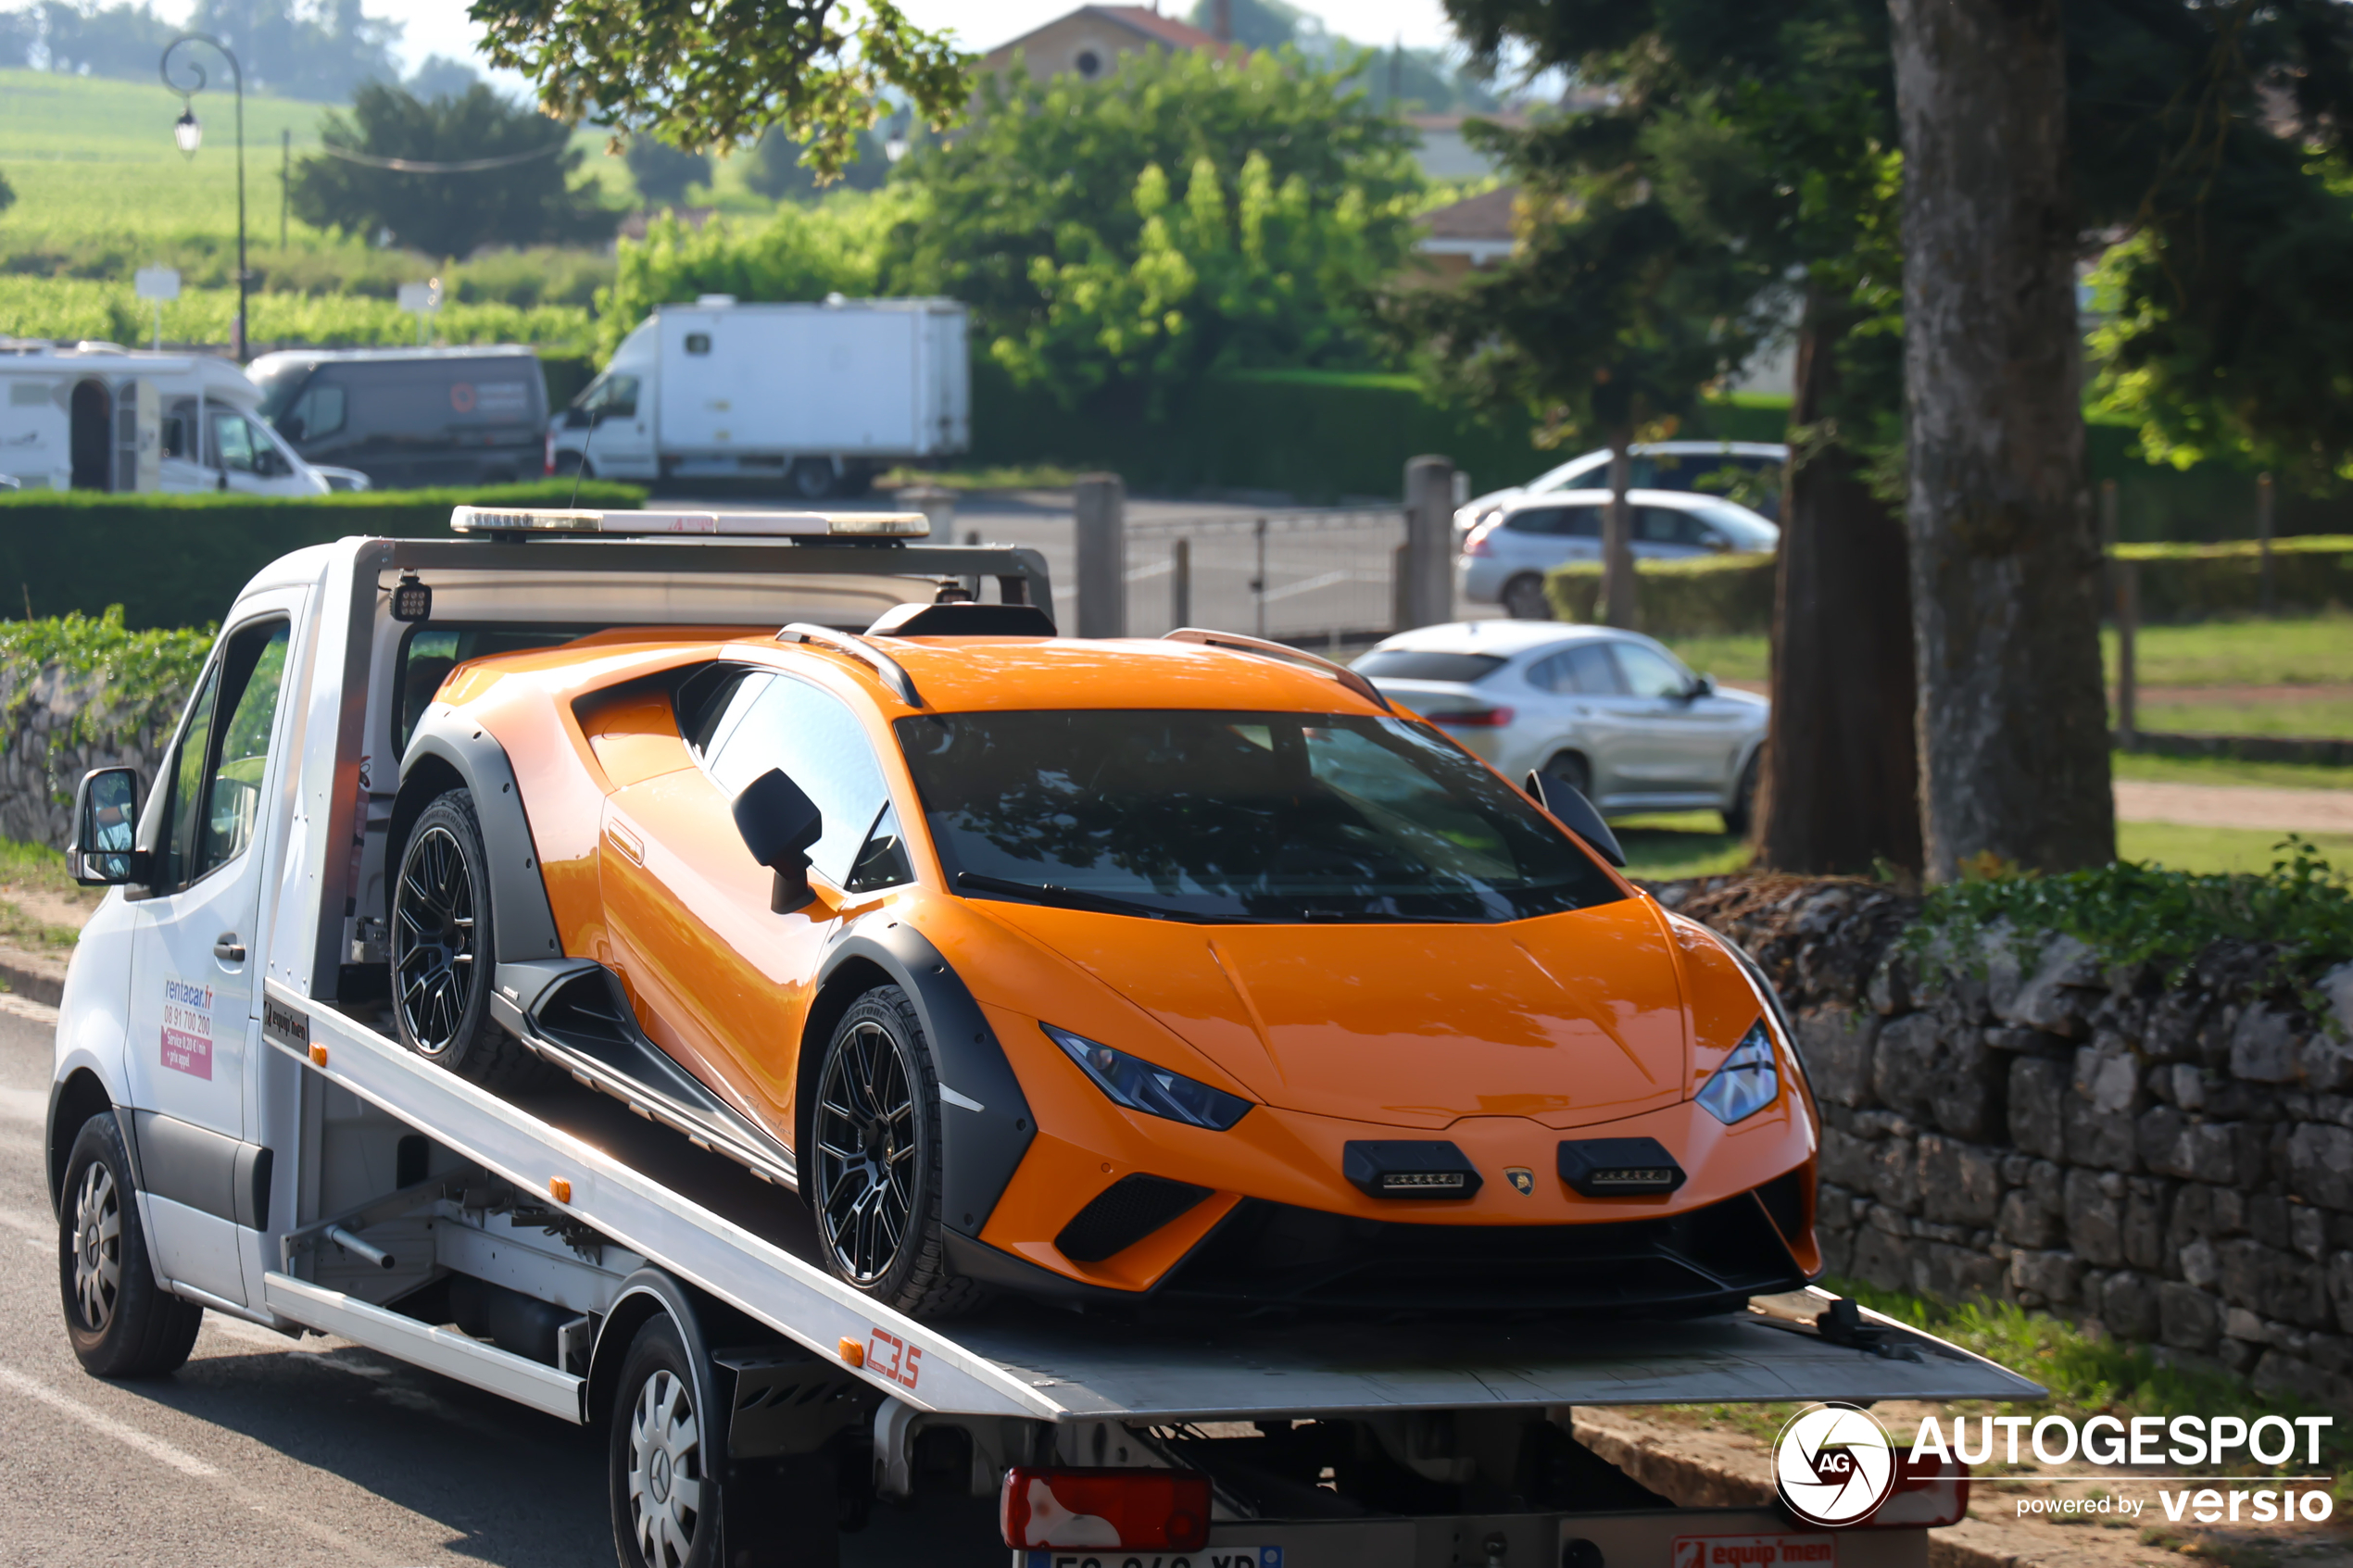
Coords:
106,822
578,418
779,823
1702,685
1572,810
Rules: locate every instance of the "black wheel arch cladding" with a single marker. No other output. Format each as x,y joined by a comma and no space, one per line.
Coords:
445,743
984,1124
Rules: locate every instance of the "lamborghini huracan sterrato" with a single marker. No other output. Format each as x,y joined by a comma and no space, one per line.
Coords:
1184,973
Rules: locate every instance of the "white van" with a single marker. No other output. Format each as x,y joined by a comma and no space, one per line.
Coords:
101,417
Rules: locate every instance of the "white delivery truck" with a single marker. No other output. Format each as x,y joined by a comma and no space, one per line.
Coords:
101,417
233,1127
816,398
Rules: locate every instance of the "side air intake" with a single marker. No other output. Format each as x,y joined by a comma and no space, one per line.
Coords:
1123,1214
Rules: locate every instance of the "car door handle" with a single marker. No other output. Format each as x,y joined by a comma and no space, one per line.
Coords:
229,949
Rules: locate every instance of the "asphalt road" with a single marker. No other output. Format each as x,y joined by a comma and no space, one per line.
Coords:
268,1451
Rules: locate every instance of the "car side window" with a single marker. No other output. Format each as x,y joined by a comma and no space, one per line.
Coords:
1540,520
1581,523
318,411
233,445
1648,674
778,722
611,398
1589,670
217,777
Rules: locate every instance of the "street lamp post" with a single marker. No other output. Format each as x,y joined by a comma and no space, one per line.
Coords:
188,132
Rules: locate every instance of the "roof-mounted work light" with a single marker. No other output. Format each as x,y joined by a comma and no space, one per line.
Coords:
657,524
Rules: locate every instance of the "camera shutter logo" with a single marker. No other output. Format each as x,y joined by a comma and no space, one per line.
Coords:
1835,1464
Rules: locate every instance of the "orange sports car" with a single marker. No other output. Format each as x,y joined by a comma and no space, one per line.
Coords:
1185,972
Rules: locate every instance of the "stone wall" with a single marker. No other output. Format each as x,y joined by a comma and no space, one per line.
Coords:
58,723
2172,1160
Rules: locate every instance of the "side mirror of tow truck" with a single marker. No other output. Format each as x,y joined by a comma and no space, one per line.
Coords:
779,823
1572,810
105,818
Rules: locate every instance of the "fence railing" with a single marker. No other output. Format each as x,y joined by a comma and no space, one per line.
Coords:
1325,575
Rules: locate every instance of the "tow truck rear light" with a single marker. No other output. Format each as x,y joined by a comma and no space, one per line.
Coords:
1131,1509
740,525
1929,1492
1473,718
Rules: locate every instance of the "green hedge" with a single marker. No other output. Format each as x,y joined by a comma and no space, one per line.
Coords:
1319,435
1707,596
1729,596
179,560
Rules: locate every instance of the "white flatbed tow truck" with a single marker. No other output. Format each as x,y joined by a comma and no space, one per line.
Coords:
234,1128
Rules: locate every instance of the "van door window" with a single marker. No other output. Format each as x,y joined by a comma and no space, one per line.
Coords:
317,412
180,429
216,775
233,443
610,397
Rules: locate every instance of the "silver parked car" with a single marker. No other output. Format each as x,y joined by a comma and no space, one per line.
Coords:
1505,559
1612,712
1750,469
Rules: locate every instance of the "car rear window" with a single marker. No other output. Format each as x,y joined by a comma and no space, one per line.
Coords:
1224,818
1428,664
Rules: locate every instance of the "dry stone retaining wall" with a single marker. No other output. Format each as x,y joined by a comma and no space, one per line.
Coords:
2172,1160
58,723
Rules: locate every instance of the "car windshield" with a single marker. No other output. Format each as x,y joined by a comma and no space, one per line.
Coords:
278,384
1428,664
1237,817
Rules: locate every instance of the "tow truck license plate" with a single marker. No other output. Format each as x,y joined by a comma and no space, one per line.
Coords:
1116,1556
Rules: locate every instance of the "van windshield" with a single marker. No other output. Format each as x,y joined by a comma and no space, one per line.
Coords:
1237,817
279,384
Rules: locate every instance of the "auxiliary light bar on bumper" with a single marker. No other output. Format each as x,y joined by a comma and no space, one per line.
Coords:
649,525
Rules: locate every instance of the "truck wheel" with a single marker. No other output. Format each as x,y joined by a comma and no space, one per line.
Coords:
879,1168
811,479
442,953
1741,815
122,1322
1572,771
665,1496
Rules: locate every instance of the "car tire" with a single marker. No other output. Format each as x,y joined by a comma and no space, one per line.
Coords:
1741,815
1523,598
442,957
877,1175
1572,771
665,1457
810,478
121,1319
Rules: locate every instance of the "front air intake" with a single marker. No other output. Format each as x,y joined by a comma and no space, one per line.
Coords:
1123,1214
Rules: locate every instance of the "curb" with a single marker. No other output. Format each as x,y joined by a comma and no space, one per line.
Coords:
33,985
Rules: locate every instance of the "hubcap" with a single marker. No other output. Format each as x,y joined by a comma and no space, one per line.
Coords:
97,1248
666,1470
867,1153
433,933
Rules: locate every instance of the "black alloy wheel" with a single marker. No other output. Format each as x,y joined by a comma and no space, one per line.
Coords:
869,1157
433,941
876,1174
442,952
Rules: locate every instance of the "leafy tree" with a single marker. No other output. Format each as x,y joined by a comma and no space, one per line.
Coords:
323,49
122,40
718,75
1121,238
662,172
780,170
527,202
438,76
803,253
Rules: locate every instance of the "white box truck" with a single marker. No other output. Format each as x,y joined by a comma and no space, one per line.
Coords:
818,397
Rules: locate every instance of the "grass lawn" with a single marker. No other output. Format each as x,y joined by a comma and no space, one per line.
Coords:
1727,659
2292,716
1664,846
2226,772
2313,651
2220,849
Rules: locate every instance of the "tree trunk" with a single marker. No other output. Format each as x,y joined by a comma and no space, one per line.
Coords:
1619,605
2012,720
1840,780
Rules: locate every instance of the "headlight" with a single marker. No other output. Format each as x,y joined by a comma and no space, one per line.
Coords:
1747,1082
1156,1091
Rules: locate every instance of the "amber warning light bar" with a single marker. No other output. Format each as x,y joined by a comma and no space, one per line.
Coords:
668,524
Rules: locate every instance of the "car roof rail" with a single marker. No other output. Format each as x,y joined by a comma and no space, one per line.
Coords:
891,672
1235,642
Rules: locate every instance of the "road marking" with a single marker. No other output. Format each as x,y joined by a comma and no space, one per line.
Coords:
98,1421
24,1105
28,1009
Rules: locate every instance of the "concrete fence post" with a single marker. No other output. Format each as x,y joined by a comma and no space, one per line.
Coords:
1425,590
1101,504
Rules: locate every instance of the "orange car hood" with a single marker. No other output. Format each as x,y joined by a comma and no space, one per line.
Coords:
1569,1020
